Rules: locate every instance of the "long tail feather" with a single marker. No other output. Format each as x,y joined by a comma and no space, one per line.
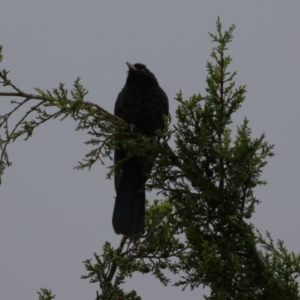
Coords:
129,211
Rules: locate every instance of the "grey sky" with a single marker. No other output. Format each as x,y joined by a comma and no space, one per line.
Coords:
52,217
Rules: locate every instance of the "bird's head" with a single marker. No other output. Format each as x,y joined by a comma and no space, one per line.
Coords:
139,70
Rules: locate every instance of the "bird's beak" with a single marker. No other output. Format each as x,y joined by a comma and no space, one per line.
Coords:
130,66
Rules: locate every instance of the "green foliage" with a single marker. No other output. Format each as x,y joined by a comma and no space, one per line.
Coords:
207,182
45,294
152,253
100,124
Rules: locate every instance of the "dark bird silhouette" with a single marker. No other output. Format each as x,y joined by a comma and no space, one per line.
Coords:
143,104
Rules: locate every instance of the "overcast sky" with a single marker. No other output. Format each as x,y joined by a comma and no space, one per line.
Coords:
53,217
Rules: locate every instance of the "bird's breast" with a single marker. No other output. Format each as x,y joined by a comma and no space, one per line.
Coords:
146,110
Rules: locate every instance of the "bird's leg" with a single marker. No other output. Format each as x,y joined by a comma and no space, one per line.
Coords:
132,128
154,138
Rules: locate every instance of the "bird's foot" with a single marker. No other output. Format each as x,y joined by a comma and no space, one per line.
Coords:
154,138
132,128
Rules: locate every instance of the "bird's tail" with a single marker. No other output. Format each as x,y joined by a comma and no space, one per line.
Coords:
129,211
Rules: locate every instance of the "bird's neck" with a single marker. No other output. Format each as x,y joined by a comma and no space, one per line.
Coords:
141,81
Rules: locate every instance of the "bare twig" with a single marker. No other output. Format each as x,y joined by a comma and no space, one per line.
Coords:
40,97
114,264
17,125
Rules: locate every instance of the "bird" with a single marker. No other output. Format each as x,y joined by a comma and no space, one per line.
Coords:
143,104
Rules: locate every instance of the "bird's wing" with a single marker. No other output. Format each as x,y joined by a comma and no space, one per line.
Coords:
118,154
166,102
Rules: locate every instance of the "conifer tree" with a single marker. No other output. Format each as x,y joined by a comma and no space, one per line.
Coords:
205,174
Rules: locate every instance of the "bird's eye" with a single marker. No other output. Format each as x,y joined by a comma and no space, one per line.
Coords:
143,70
